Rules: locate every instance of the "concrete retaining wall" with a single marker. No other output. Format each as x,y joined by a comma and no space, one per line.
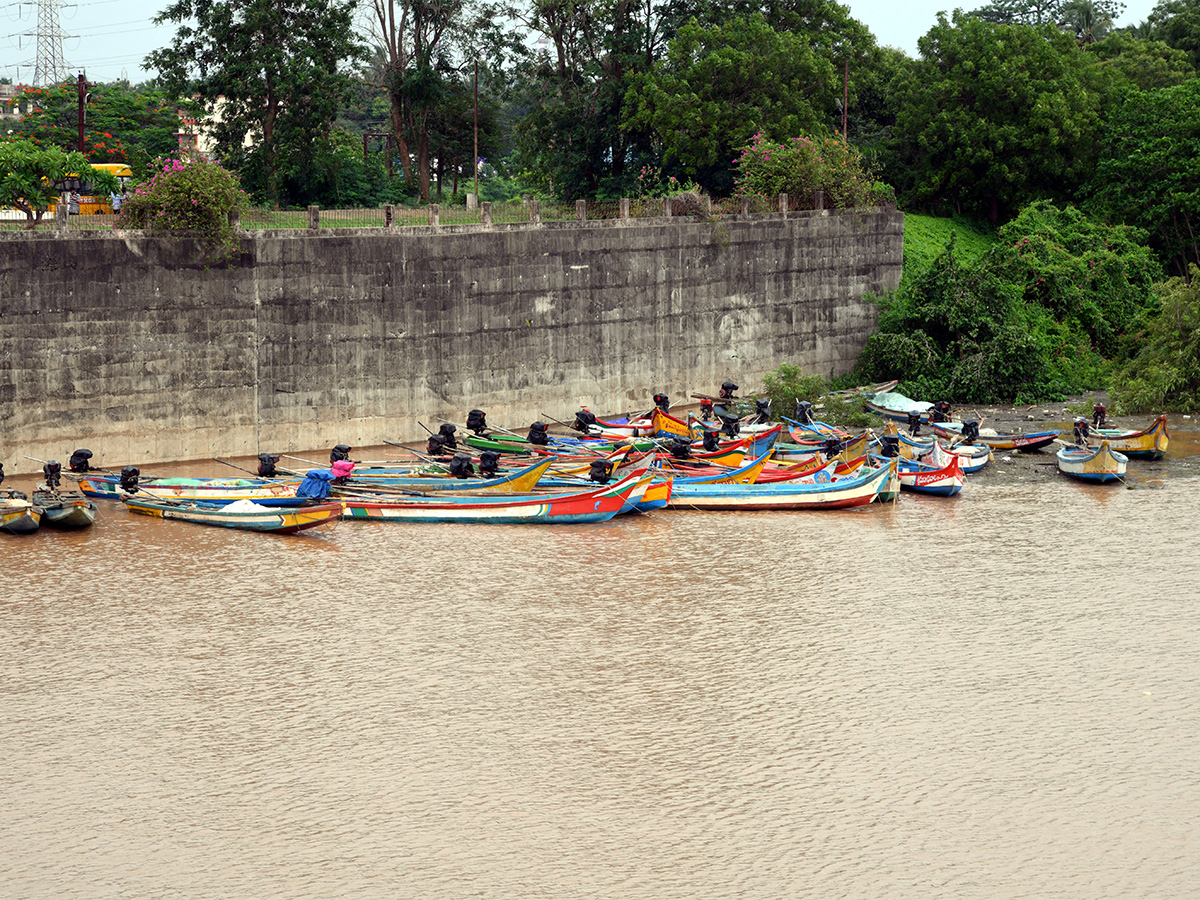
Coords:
129,345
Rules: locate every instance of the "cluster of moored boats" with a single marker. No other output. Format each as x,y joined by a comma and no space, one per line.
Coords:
586,471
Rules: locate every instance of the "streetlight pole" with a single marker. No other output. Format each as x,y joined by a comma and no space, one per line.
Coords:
475,161
82,88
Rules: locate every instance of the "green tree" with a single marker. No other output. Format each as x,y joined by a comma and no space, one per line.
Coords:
1149,173
1165,373
1142,63
995,116
721,85
1177,24
802,165
271,72
121,124
29,173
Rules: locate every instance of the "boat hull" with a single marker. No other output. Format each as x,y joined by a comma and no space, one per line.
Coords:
215,490
844,493
19,516
1099,466
65,511
278,519
1149,443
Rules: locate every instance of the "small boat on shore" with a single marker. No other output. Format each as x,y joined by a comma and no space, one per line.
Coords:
245,515
1149,443
836,492
1017,440
1099,465
206,490
922,478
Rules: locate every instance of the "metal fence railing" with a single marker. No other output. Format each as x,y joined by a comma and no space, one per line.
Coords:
510,212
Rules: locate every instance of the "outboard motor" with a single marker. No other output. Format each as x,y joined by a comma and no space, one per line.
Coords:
729,425
489,463
79,460
600,471
762,409
461,467
706,410
889,445
804,412
446,432
1082,431
1099,415
129,479
914,422
681,448
940,412
52,472
477,421
341,471
662,402
712,442
266,465
970,431
340,452
537,434
584,420
727,390
436,445
1,473
832,448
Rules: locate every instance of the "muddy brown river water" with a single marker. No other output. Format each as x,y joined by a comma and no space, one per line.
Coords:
991,696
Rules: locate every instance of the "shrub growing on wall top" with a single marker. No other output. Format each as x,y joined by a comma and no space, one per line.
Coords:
801,165
194,197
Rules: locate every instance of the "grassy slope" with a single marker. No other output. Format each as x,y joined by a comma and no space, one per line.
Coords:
925,237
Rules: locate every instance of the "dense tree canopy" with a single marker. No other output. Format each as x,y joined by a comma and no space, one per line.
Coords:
272,73
995,116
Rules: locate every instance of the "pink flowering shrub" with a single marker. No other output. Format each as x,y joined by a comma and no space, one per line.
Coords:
190,196
799,166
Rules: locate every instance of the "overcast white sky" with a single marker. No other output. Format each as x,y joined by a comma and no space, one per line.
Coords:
110,38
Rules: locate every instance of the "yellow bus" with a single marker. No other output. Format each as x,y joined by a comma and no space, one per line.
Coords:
91,203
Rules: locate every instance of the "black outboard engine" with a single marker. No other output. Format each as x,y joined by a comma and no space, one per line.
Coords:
446,433
970,431
338,453
461,467
914,422
762,410
706,410
79,461
266,465
729,425
1082,431
1,473
584,420
662,402
712,442
727,390
681,448
889,445
52,473
129,479
804,412
537,434
600,471
940,412
436,445
477,421
832,448
489,462
1099,415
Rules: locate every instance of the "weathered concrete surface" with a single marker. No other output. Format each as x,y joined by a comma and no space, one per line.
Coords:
130,346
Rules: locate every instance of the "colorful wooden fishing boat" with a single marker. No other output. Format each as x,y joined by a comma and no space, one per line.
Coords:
896,407
1149,443
1099,465
941,481
592,505
657,495
1027,442
65,510
519,481
244,515
972,457
18,515
839,492
208,490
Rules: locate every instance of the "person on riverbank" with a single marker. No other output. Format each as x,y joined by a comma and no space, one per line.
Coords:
73,205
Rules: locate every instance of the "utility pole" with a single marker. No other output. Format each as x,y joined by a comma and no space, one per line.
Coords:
81,89
475,161
845,103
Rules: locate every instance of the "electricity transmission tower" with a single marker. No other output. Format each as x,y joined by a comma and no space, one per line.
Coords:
50,67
